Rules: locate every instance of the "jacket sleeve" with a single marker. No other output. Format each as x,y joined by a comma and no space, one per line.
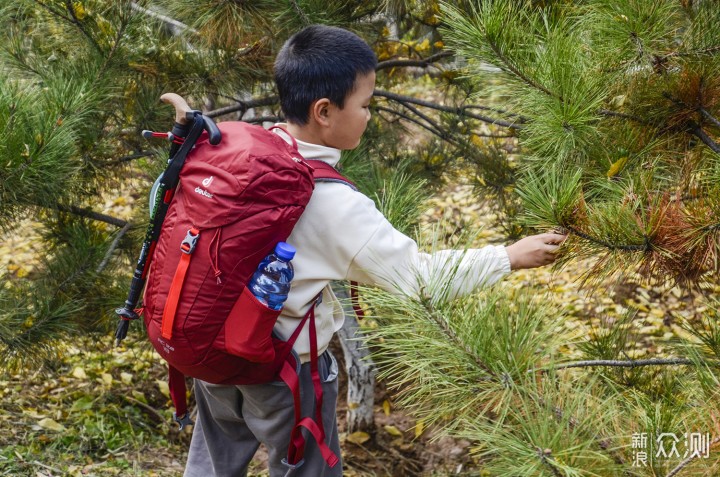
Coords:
391,260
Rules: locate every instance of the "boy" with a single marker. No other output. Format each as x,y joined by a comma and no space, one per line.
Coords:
325,78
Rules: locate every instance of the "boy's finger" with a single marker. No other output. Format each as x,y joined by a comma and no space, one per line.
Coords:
552,248
554,238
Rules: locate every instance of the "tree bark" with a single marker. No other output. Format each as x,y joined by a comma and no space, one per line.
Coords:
360,368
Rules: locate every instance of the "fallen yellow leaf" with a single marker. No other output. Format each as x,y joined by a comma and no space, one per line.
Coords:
33,413
386,407
419,428
79,373
392,430
51,425
107,379
126,378
358,437
164,388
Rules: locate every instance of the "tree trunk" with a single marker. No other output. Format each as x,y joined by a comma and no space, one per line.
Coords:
360,368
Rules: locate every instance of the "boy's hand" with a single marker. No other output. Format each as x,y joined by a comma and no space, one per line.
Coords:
534,251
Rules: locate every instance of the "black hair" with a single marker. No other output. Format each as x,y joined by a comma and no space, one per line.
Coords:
319,62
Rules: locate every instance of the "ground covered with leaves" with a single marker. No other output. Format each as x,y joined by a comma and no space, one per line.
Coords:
99,410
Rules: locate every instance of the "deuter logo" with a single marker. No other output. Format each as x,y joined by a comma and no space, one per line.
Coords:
206,182
203,192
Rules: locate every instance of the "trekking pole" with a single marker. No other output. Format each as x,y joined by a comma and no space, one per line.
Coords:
183,140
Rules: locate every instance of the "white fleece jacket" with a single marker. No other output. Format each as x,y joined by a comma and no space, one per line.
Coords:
343,236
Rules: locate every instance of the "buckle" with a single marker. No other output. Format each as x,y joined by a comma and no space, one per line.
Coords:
183,421
292,466
188,244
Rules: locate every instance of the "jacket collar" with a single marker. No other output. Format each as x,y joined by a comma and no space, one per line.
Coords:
311,151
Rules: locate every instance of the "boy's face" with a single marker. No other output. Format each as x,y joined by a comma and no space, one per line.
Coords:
347,125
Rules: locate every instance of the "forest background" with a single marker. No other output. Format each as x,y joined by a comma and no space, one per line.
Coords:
491,120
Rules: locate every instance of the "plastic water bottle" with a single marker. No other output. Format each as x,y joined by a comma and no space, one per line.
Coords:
271,282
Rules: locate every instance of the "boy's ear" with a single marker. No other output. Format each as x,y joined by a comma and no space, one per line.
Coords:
319,111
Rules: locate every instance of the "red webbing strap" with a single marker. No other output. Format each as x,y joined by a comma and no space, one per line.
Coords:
322,171
311,313
297,438
178,391
296,448
294,142
173,298
290,377
316,376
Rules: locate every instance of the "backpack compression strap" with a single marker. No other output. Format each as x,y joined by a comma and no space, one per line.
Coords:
315,427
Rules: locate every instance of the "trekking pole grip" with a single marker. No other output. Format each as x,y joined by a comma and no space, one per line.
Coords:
181,106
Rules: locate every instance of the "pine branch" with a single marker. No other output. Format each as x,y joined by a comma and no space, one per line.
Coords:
57,13
113,246
492,135
441,134
137,155
263,119
684,463
612,246
82,269
76,21
545,456
604,443
440,131
423,63
118,38
425,302
216,77
514,69
460,111
24,63
243,106
164,18
627,247
695,129
521,119
301,13
108,219
607,112
709,116
634,363
704,51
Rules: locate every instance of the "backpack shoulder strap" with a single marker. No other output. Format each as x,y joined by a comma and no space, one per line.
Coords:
324,172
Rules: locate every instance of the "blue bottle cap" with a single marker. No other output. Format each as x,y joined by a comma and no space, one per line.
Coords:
285,250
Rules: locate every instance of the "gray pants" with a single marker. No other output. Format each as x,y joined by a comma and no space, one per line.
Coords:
232,421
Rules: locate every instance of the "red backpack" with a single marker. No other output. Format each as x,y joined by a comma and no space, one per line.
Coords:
235,202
